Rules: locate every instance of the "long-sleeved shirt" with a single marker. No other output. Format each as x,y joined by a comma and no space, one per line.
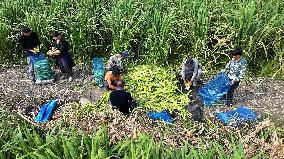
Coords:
236,69
109,78
186,67
115,61
29,42
120,99
62,46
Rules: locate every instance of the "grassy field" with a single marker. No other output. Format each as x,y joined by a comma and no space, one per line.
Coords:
160,31
159,34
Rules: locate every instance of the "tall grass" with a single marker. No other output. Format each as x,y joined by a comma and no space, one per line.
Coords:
155,31
27,142
21,140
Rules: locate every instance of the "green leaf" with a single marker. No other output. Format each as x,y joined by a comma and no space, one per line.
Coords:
52,154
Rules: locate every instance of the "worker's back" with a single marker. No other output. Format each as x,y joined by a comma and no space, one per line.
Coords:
121,100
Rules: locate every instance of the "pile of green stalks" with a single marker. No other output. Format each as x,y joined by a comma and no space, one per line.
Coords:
157,31
156,88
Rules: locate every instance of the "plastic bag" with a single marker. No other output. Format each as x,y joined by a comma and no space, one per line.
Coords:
46,111
43,70
164,115
238,116
98,70
196,112
37,57
215,89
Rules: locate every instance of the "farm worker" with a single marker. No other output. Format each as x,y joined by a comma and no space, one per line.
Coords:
115,61
111,79
30,43
59,50
190,71
121,99
235,70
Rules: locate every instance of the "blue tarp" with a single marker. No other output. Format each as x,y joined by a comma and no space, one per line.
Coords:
98,70
164,115
238,116
215,89
46,111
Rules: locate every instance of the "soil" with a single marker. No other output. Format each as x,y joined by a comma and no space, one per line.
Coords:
262,95
19,94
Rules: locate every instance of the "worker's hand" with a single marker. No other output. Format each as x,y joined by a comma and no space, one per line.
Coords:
36,49
49,53
187,86
232,82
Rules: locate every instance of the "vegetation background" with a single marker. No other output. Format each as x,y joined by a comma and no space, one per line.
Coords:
160,31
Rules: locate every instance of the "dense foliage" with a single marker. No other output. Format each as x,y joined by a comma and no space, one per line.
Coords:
156,30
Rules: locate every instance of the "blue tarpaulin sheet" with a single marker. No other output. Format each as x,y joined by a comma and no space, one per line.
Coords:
215,89
98,70
46,111
238,116
164,115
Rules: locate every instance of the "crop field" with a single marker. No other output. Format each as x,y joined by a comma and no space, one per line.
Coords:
159,31
159,34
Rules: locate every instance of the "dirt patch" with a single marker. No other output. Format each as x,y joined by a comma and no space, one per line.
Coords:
264,95
17,93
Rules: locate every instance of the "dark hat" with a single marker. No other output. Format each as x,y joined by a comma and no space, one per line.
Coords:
115,72
55,34
237,51
26,30
125,54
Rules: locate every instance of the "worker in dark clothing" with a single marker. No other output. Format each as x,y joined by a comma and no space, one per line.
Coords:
122,99
30,43
60,52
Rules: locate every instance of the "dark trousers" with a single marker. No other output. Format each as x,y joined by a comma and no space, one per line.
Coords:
65,64
127,109
230,93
